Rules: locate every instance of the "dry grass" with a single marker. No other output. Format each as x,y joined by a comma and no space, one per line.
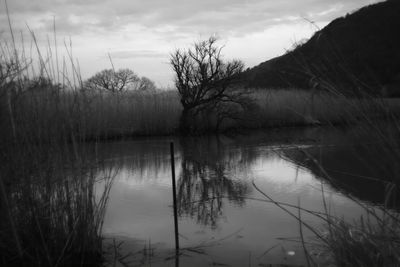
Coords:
64,113
373,242
54,111
134,113
51,213
298,107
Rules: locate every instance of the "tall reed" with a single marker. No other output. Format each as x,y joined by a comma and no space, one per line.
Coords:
52,213
53,194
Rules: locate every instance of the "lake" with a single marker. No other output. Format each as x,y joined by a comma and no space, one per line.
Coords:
224,220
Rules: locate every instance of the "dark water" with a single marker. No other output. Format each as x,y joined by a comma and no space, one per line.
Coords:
223,219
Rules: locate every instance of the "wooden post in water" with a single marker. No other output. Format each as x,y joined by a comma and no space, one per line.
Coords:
174,197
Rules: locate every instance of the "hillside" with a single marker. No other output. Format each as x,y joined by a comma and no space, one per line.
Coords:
359,52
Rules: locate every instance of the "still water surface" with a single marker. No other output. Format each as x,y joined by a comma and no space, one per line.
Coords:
223,219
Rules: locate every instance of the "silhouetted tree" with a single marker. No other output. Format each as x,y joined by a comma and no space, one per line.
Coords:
113,81
146,85
204,80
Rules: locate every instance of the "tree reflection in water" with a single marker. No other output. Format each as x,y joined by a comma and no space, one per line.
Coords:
208,176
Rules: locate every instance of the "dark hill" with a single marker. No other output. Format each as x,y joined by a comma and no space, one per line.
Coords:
356,53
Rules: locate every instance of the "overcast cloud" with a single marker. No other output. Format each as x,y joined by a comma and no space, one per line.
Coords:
141,34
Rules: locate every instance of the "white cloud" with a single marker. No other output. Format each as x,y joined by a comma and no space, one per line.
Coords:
133,54
143,32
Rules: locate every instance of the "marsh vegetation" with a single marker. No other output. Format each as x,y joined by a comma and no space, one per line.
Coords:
84,161
49,179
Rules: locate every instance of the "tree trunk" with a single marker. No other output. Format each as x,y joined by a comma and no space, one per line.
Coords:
186,122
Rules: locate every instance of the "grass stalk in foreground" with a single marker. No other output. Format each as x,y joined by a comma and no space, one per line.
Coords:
53,193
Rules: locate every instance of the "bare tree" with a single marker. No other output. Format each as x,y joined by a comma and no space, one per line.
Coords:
204,80
113,81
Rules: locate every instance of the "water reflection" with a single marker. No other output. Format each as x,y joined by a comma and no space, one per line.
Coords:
212,169
216,197
206,178
362,167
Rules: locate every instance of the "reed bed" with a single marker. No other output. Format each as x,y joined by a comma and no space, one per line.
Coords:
63,113
293,107
52,213
53,191
367,242
134,113
51,111
50,208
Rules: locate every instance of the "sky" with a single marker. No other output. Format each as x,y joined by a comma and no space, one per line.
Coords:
140,35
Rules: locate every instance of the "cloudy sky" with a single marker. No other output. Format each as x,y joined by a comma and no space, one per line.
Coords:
141,34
